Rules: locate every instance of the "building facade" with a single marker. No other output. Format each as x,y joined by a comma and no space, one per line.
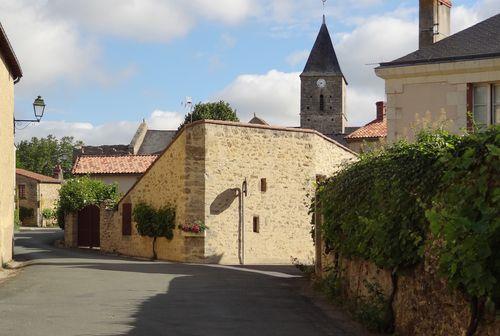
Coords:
202,173
451,83
10,73
36,193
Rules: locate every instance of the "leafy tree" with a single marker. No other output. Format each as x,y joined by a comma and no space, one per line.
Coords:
154,223
79,192
41,155
215,111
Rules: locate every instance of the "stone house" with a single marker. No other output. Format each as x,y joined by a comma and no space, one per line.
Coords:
10,74
121,169
451,82
37,192
204,173
372,135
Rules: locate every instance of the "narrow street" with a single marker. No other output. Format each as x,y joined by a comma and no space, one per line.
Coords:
80,292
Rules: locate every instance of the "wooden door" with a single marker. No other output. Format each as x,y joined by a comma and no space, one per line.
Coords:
89,226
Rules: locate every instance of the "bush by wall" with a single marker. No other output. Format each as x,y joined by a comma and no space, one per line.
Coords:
378,209
77,193
154,223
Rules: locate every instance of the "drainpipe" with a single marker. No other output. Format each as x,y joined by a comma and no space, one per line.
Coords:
243,192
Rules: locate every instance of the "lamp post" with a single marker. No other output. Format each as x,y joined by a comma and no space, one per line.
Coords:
38,110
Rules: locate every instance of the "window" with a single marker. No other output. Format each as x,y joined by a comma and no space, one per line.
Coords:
256,224
263,185
321,103
126,219
21,191
486,104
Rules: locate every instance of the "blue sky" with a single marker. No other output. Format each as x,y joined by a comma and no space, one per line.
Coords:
104,65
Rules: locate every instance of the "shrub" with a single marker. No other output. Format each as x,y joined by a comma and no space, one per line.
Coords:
465,215
154,223
79,192
375,208
49,214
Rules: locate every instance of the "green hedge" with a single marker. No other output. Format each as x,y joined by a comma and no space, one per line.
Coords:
379,208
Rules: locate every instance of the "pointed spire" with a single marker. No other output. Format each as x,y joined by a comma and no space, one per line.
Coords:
322,59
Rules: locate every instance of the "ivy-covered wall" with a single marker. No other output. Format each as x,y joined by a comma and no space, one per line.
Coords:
424,228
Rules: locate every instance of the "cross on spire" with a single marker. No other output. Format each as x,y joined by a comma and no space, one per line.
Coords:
324,20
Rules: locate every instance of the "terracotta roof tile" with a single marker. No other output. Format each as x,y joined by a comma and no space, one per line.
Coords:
374,129
112,164
35,176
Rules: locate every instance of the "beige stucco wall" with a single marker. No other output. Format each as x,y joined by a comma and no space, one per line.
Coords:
289,161
432,95
125,182
7,163
210,159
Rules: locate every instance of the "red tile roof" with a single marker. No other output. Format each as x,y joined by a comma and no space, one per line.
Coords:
37,177
374,129
112,164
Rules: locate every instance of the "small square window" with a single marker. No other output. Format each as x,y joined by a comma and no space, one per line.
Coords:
263,185
256,224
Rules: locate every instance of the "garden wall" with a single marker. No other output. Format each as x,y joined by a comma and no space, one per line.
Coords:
423,304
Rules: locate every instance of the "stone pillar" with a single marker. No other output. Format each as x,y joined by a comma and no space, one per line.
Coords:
71,229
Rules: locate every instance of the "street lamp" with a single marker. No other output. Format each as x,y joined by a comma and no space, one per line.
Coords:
38,109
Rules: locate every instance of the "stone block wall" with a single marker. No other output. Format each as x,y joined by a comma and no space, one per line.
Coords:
31,199
49,196
200,173
289,161
176,178
71,229
423,305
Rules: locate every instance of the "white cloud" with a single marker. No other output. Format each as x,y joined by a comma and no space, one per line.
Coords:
274,96
48,49
463,16
112,133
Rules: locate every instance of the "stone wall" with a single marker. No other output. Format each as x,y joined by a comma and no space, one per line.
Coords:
423,305
49,196
289,160
173,179
7,163
71,229
30,200
199,174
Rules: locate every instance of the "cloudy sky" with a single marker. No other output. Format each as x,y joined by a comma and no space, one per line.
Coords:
104,65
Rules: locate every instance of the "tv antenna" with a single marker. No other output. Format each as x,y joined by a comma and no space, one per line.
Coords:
188,105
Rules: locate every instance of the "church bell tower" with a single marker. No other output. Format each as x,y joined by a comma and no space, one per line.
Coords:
323,88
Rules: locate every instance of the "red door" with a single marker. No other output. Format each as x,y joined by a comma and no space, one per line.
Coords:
88,226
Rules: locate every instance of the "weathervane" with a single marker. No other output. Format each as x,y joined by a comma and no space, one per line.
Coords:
324,1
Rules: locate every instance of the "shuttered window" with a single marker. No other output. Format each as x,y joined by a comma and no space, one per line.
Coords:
126,219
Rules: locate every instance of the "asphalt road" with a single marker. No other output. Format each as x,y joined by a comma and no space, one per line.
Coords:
82,292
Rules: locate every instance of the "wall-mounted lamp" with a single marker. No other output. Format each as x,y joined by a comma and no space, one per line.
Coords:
38,110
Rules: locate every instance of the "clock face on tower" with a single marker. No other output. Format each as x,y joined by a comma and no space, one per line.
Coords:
321,83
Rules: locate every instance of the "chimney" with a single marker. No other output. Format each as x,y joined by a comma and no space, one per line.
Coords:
434,21
58,173
381,108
